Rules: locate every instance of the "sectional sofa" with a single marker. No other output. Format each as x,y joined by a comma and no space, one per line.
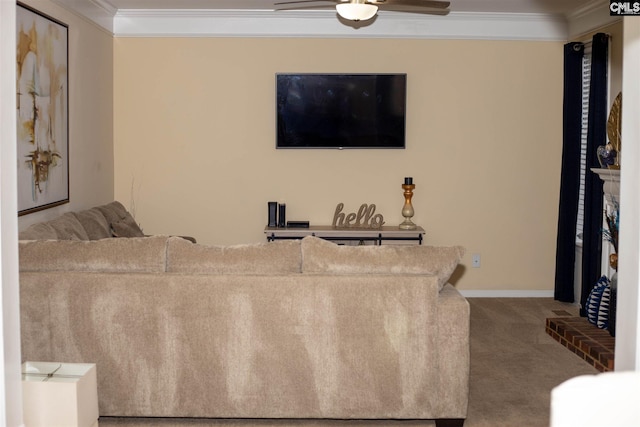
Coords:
287,329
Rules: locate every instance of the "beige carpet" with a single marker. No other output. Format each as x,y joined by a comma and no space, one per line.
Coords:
514,366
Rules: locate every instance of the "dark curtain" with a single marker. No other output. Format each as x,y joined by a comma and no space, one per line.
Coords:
570,177
597,135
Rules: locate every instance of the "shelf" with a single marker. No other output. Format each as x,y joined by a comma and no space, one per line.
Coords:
360,235
611,187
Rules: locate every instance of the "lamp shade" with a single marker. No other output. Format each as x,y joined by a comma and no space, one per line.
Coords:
356,11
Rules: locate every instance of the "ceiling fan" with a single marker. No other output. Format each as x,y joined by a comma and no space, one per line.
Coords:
361,10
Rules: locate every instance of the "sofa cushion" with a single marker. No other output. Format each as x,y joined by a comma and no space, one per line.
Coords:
279,257
126,227
94,223
68,227
121,222
322,256
140,255
113,211
39,231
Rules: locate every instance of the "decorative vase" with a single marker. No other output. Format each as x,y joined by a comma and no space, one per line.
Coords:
607,156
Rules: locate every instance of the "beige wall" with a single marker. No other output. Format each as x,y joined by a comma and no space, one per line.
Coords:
194,144
194,137
615,59
90,113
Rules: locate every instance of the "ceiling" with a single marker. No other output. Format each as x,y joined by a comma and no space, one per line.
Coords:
561,7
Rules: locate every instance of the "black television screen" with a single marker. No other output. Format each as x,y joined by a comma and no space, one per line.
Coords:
341,110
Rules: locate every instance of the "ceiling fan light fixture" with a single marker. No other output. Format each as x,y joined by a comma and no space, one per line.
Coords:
356,11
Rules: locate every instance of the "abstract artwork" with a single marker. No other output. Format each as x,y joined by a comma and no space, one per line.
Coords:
42,110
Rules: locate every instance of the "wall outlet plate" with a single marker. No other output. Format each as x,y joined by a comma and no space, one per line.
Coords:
475,260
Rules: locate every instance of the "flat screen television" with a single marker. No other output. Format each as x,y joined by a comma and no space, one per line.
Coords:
341,110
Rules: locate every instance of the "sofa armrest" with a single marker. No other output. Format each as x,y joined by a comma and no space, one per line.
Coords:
453,351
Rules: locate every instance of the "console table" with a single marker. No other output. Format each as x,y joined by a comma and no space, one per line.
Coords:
359,235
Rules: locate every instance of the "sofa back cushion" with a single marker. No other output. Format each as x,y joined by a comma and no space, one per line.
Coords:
39,231
94,223
68,227
321,256
140,255
282,257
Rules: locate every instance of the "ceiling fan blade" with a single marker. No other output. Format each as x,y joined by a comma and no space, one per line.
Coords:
293,2
420,10
434,4
298,7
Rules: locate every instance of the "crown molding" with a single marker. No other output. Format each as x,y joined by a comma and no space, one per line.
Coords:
100,12
325,24
590,17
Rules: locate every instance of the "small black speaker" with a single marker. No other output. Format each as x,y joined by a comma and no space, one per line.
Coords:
282,215
273,214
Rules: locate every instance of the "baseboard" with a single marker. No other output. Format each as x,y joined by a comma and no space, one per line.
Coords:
506,294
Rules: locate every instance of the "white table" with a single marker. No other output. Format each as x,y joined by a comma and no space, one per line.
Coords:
377,236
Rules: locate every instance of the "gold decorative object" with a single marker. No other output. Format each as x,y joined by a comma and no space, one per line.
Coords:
365,217
614,125
407,210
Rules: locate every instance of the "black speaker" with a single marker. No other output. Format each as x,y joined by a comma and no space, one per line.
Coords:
273,214
282,215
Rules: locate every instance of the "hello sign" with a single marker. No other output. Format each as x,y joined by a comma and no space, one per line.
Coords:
365,217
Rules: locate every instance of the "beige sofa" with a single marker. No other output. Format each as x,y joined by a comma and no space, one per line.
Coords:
288,329
100,222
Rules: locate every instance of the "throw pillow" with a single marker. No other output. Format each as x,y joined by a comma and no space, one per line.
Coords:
113,211
322,256
126,227
598,303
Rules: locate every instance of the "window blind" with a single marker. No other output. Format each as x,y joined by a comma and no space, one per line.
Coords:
586,81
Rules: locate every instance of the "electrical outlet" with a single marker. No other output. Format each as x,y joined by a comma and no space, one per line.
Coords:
475,260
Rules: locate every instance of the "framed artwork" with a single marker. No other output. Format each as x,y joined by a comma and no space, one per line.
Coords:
42,110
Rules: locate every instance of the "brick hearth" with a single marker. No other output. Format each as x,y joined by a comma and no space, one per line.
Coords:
596,346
